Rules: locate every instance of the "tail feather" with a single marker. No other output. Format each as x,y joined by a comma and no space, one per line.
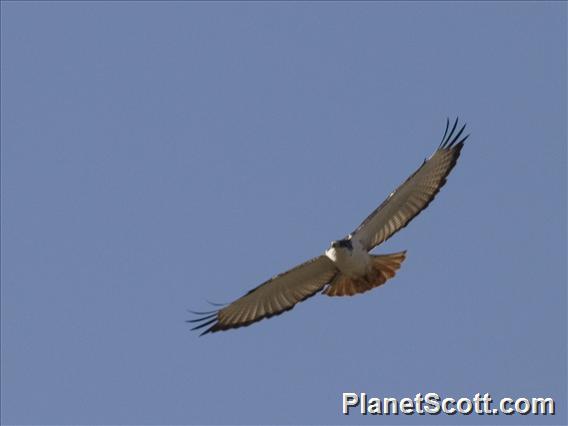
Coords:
384,267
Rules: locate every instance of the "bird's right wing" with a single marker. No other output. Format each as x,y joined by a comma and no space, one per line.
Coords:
414,195
273,297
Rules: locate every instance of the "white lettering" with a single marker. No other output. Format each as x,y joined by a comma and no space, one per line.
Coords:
374,406
543,406
349,400
406,406
445,403
418,401
468,406
432,403
503,406
522,410
390,406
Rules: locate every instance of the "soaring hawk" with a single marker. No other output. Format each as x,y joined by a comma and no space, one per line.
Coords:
347,267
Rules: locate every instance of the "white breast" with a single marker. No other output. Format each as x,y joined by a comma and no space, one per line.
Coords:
353,263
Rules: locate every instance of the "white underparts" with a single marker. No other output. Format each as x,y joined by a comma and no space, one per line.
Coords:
353,263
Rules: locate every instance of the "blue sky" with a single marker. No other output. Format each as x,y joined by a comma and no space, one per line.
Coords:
158,155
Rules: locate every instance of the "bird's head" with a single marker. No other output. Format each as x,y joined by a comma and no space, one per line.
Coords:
346,244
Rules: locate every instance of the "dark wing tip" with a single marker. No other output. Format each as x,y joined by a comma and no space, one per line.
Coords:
204,319
216,304
449,140
445,131
201,312
205,323
214,328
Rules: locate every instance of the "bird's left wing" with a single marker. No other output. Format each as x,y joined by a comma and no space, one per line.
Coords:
278,294
414,195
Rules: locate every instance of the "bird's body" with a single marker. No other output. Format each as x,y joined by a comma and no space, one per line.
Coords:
350,257
346,268
359,271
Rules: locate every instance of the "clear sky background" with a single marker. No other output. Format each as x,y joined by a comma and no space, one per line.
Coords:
158,155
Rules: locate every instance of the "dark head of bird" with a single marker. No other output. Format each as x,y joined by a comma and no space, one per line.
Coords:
342,244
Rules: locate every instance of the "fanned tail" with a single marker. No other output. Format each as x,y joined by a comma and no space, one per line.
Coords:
384,267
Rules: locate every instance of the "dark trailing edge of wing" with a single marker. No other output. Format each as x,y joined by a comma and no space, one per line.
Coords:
449,142
445,144
212,317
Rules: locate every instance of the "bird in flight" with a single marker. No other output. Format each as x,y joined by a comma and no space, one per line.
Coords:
346,268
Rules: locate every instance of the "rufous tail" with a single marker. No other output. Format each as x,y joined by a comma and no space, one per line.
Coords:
383,267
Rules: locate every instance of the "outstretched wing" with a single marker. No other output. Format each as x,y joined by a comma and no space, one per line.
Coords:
278,294
414,195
